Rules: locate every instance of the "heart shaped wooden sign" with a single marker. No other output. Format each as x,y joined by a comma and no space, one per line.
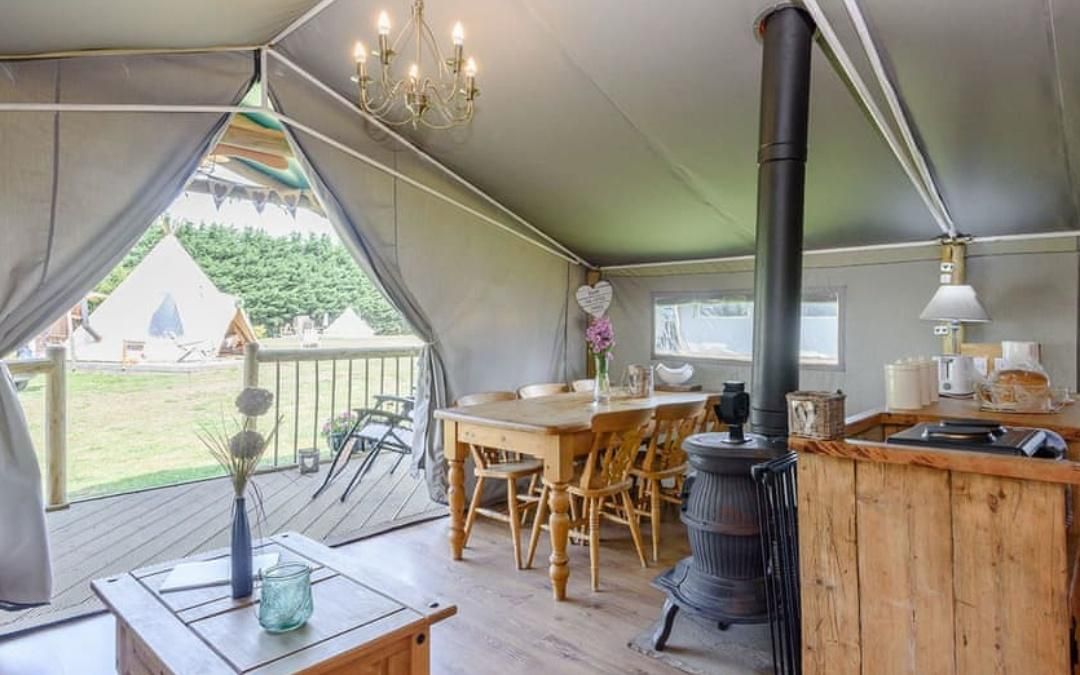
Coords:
595,300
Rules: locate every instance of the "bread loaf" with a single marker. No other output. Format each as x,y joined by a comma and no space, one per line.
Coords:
1023,378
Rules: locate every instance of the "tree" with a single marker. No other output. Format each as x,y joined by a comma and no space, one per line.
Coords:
276,278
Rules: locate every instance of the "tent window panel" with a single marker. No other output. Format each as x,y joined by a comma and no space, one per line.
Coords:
720,326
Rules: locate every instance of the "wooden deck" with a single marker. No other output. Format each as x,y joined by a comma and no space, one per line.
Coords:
96,538
506,620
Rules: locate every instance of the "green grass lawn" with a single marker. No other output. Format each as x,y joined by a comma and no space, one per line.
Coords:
131,430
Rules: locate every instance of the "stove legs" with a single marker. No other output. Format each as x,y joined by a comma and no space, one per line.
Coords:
667,620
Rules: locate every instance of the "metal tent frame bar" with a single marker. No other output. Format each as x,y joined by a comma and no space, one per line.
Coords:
425,156
832,42
1065,234
284,119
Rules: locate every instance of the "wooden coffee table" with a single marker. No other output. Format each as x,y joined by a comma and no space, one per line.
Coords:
364,621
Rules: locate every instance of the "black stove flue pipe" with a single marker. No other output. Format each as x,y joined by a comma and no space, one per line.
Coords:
785,102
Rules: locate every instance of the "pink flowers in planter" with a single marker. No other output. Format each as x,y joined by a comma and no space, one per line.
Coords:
600,335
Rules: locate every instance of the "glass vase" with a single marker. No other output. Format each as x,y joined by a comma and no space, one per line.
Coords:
240,552
285,601
602,381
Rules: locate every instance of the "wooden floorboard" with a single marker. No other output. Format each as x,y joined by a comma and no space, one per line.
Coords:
104,536
507,621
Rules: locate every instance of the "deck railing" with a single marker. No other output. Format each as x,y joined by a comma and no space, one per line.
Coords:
356,376
337,379
54,367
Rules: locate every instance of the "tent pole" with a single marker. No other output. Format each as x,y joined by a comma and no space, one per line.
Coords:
422,187
127,52
285,119
849,73
785,113
898,114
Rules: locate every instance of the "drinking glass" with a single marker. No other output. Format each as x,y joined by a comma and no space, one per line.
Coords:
285,602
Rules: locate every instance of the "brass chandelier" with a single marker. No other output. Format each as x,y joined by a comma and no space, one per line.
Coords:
440,99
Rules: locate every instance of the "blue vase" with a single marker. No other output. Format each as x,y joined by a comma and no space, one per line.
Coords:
241,551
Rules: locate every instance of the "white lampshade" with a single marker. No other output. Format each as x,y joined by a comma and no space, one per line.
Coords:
955,302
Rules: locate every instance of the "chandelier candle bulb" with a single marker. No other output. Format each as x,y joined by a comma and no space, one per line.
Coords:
458,36
360,54
470,79
384,24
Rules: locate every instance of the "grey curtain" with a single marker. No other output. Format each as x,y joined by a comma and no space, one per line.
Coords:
491,308
77,189
356,227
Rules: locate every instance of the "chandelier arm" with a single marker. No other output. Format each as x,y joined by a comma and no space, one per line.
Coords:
400,40
452,119
443,101
387,99
433,45
450,124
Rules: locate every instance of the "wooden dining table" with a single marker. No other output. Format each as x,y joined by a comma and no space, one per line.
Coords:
555,429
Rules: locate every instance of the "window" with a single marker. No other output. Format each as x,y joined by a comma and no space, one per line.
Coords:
720,326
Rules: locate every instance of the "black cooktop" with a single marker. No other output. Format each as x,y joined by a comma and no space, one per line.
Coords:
982,436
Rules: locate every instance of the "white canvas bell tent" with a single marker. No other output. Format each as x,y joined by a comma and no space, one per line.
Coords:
166,311
348,324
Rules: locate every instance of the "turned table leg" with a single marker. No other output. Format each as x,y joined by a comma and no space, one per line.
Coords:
559,525
455,457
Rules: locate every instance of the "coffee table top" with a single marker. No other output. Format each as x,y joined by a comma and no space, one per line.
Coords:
204,630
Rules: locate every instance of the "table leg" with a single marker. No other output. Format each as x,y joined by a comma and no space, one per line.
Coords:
559,525
455,457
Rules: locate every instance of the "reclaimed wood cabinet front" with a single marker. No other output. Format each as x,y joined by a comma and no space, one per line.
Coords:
909,568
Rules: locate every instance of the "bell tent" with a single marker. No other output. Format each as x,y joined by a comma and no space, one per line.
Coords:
348,325
166,311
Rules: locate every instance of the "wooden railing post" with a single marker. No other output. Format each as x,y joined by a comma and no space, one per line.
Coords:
251,364
251,370
56,430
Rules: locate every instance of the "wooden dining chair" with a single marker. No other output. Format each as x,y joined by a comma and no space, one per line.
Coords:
664,459
492,464
605,476
710,421
545,389
583,385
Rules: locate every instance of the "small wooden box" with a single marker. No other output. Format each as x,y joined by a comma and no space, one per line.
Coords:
816,414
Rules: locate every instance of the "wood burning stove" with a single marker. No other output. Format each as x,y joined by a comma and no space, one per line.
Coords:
724,578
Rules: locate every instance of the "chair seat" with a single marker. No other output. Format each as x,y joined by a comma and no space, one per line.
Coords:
663,473
519,469
386,433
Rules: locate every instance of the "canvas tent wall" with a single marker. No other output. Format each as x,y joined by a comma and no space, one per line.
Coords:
1031,290
170,309
348,324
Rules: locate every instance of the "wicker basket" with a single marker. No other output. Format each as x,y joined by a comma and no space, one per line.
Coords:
816,414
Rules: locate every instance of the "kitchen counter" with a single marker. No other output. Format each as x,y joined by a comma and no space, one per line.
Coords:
919,559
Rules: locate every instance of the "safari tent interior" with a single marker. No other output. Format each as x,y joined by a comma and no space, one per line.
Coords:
766,202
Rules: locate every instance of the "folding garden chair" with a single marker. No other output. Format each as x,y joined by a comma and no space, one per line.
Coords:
386,427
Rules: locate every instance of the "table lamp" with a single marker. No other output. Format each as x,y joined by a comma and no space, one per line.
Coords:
955,304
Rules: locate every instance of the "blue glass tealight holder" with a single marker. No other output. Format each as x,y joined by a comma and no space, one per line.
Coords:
285,601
